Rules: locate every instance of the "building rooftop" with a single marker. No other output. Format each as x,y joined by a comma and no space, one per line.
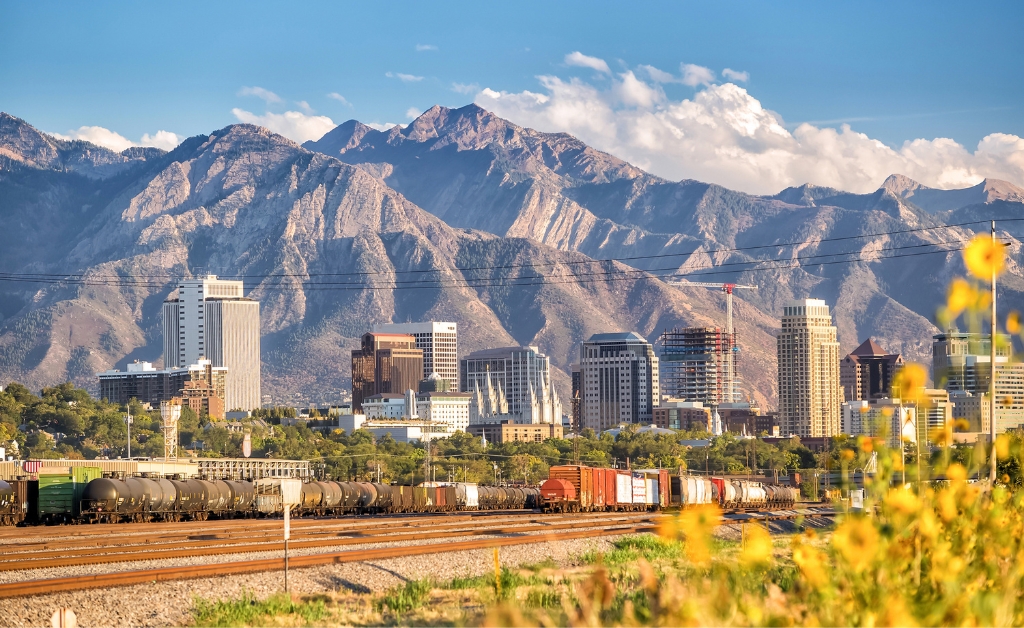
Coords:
620,336
498,352
869,348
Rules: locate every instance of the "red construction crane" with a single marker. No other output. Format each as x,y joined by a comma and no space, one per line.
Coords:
727,288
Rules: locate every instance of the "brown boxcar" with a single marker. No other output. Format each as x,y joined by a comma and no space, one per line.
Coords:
440,505
582,479
664,489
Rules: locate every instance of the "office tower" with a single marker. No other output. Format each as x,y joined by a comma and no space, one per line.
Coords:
437,340
868,371
510,383
619,372
210,318
202,385
961,362
810,397
385,364
695,365
887,417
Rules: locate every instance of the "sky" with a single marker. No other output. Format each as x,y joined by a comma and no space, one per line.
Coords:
756,96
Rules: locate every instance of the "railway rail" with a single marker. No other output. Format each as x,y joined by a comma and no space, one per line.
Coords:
126,578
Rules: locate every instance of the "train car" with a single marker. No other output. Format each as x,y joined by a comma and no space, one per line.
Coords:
10,507
60,492
582,479
558,495
24,506
532,498
244,498
467,496
690,490
112,500
160,499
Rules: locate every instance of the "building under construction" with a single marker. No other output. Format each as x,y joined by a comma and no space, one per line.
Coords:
698,364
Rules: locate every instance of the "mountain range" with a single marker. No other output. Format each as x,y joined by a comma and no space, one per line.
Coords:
519,236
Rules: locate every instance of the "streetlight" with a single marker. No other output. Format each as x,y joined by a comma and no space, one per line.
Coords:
128,422
495,464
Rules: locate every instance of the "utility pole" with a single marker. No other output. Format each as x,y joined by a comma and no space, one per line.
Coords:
128,422
992,375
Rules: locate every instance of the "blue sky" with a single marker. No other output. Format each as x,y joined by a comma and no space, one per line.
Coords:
892,71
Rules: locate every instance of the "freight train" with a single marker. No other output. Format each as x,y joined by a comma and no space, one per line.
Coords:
574,488
79,495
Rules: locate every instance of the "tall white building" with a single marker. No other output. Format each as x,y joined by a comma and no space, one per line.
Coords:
439,342
510,383
210,318
619,380
810,397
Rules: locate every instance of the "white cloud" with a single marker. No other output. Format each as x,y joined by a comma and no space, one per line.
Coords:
304,106
581,60
659,76
412,113
736,75
425,47
724,135
116,142
405,78
161,139
339,98
294,125
267,95
381,127
465,88
694,75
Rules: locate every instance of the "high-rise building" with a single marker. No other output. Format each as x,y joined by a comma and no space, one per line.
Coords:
868,371
961,362
619,374
385,364
439,342
887,417
810,397
698,364
510,383
210,318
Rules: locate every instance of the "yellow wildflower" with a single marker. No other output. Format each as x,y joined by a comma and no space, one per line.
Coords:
865,444
909,383
811,564
956,472
903,501
1002,447
984,257
697,525
1013,322
757,548
961,295
857,541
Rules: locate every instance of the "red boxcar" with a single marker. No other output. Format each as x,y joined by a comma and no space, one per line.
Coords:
600,499
582,479
664,488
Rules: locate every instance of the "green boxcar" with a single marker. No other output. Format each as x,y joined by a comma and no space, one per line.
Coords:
60,491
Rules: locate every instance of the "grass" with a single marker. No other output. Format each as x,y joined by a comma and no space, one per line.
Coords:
405,598
629,549
248,611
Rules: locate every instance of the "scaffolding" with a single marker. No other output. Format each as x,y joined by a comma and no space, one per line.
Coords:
698,364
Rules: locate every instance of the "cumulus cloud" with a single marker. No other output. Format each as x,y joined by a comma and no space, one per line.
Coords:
268,96
405,78
294,125
736,75
724,135
694,75
116,142
412,113
339,98
425,47
465,88
581,60
381,126
302,104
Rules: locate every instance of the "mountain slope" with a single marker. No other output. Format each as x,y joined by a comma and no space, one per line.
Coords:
328,250
475,170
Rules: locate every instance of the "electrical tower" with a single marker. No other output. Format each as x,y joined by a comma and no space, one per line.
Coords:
170,412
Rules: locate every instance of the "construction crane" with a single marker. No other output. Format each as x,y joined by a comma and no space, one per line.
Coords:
727,288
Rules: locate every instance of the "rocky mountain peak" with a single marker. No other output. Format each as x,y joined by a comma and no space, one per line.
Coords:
901,185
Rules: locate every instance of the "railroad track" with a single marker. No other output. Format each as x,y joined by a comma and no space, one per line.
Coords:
127,578
33,559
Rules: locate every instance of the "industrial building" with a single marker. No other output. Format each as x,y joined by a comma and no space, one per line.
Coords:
385,364
810,397
439,342
210,318
698,364
619,375
867,372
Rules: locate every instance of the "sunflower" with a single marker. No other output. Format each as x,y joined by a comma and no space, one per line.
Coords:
961,296
984,257
1013,322
909,383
